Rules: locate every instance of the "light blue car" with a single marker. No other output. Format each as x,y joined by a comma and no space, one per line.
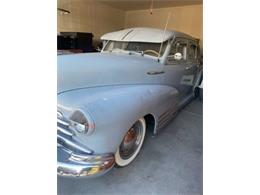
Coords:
107,101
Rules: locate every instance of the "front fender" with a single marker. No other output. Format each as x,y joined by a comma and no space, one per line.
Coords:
114,109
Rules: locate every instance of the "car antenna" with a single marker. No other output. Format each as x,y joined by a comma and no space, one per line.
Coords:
168,18
151,8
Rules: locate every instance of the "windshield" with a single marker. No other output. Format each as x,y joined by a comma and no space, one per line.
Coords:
151,49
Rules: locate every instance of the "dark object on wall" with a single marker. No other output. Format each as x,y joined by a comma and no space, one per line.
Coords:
63,11
75,41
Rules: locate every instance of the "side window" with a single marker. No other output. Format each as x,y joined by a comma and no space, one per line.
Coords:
178,52
192,52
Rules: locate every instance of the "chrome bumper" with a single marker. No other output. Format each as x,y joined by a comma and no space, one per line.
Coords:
75,159
75,165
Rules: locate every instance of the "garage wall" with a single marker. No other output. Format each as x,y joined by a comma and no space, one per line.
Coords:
187,19
98,18
89,16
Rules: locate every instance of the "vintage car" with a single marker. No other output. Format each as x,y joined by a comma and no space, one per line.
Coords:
108,101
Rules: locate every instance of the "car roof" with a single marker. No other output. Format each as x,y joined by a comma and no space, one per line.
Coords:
144,34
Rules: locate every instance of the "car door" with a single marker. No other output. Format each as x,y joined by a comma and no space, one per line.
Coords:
179,68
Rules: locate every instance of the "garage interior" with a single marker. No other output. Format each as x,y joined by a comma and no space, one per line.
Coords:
103,16
170,163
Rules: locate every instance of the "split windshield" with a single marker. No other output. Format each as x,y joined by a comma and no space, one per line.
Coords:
151,49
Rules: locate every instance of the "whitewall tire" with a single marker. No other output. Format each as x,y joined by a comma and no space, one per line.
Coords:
131,144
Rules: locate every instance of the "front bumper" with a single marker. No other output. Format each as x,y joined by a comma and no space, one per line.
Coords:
82,165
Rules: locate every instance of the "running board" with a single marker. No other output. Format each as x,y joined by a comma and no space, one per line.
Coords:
185,101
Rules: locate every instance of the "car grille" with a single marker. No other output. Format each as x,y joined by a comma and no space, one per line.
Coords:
63,126
65,138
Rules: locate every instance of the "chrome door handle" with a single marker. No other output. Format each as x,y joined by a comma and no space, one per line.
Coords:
155,72
188,67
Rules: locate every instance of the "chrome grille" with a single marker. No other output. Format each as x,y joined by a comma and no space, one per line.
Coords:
65,138
64,128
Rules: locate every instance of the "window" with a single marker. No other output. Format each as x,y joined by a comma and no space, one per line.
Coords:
180,46
192,52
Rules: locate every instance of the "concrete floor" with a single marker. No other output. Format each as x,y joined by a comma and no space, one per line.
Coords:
170,163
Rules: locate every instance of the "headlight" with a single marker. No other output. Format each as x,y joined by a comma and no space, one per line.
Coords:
81,123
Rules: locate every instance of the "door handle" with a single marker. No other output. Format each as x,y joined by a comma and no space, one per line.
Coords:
155,72
188,67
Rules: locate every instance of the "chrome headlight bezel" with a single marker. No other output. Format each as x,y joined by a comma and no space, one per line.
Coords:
78,122
81,122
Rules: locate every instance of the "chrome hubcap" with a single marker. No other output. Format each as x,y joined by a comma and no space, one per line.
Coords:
131,141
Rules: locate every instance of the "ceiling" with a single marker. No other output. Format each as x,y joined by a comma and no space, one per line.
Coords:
146,4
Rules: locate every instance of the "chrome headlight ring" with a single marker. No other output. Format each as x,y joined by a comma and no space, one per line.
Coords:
78,122
81,122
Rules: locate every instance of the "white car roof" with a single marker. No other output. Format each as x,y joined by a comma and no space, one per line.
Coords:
142,34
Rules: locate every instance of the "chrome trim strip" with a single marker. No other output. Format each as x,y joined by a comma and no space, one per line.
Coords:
166,117
63,148
64,131
72,144
155,72
91,158
127,34
59,114
63,122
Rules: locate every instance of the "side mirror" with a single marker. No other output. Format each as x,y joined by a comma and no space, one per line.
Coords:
177,56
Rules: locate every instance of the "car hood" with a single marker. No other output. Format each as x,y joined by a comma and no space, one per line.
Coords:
100,69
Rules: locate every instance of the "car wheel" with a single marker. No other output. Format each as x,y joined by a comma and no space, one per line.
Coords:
196,92
131,144
201,94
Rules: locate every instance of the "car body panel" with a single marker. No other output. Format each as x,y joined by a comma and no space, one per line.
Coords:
101,69
115,89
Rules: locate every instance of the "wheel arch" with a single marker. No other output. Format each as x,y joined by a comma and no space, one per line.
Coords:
150,121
